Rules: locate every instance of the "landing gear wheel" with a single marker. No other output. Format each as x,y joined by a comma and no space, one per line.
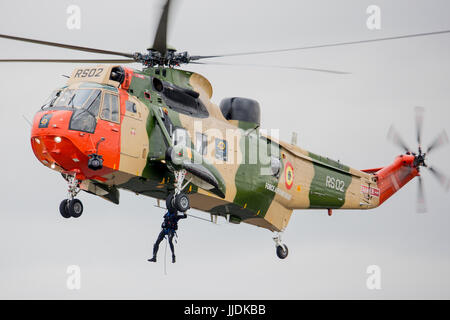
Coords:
282,251
182,202
63,209
75,208
169,203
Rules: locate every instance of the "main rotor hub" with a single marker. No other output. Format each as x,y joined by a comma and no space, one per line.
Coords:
170,59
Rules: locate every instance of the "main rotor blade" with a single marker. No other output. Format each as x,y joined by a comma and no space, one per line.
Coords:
421,203
419,122
336,44
395,137
439,141
271,66
71,60
442,178
67,46
160,41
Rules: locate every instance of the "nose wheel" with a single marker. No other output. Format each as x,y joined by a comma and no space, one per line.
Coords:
281,248
71,207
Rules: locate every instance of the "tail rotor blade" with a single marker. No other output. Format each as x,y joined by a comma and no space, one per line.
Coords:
421,203
442,178
419,122
439,141
395,137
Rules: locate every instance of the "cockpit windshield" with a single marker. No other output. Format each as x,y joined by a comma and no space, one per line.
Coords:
51,99
76,98
88,105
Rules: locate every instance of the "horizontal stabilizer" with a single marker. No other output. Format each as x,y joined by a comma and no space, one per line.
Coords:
374,170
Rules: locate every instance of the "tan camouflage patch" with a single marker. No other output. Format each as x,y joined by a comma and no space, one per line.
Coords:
277,217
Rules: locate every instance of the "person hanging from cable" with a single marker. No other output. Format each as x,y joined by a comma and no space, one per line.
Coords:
169,229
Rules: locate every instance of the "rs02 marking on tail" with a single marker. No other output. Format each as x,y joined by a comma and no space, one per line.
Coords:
335,183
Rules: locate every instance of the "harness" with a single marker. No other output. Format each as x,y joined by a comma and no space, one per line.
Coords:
170,224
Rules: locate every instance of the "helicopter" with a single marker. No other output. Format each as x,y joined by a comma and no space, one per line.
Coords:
156,132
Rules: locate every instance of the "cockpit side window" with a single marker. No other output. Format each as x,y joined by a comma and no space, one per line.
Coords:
110,109
115,111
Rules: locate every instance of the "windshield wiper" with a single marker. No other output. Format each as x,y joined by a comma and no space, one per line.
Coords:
52,101
71,100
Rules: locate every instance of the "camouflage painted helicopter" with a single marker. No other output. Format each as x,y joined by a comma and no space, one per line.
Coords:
156,132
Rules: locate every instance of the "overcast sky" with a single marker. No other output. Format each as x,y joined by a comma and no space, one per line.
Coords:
345,117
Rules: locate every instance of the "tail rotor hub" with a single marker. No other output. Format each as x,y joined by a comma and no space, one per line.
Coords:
419,160
420,157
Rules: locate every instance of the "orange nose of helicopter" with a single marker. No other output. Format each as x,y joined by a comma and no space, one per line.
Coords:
69,151
57,147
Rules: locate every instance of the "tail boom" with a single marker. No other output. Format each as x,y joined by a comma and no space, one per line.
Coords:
393,177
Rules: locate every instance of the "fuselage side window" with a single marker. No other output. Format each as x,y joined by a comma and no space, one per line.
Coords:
275,165
130,106
221,149
180,137
201,143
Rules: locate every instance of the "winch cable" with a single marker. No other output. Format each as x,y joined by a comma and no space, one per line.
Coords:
165,257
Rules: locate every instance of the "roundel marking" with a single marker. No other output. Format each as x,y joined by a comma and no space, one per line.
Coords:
221,145
289,175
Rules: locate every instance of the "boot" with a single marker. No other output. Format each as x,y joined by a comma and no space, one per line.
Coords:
173,258
155,252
